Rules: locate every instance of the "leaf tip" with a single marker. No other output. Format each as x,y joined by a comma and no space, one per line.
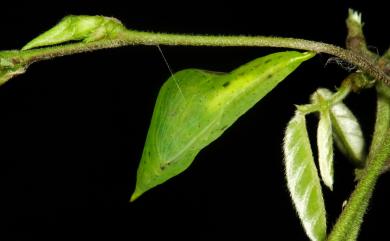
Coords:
329,184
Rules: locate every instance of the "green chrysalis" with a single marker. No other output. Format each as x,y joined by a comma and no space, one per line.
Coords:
302,178
194,107
78,28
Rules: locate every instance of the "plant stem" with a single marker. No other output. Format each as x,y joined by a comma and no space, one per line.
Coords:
349,222
259,41
132,37
337,97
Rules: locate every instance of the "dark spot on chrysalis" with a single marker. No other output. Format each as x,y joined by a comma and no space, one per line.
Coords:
213,72
269,76
163,166
267,61
226,84
240,74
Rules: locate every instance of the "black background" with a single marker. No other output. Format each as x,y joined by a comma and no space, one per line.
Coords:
73,128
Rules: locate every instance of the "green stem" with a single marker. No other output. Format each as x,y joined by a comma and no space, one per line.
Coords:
337,97
132,37
349,222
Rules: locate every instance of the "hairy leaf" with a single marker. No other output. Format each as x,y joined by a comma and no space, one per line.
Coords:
324,141
302,179
78,28
347,132
195,107
325,148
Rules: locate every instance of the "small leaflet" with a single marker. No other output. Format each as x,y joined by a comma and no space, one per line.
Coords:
302,179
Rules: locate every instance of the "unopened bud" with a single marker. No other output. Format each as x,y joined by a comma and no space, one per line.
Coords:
78,28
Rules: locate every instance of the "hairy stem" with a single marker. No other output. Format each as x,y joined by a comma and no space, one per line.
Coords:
132,37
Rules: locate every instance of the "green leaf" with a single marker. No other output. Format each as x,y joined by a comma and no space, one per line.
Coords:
325,148
78,28
302,179
195,107
324,141
347,132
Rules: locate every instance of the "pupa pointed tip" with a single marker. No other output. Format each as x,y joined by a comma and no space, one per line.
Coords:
135,195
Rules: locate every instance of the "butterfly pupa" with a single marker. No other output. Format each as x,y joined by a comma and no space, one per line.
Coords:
194,107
